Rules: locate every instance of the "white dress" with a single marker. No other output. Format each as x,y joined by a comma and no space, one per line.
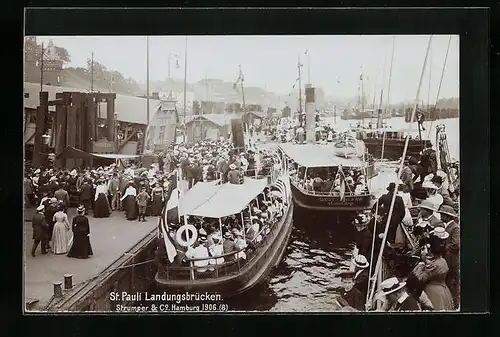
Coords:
59,233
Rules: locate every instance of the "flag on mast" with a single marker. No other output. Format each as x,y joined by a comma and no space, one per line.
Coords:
169,246
177,65
342,183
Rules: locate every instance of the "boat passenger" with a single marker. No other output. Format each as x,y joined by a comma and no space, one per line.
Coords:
395,298
229,246
364,235
442,190
240,243
215,250
361,276
351,296
452,254
432,195
428,214
432,273
360,187
200,251
398,212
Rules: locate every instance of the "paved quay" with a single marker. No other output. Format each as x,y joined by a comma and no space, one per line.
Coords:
110,239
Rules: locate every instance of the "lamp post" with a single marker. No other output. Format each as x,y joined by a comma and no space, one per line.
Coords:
116,132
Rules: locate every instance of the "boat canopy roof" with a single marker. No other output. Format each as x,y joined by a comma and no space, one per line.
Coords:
217,201
318,155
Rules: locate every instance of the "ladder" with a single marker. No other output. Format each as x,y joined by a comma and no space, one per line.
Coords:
443,156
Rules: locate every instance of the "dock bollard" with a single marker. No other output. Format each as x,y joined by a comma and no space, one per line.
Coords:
68,281
57,289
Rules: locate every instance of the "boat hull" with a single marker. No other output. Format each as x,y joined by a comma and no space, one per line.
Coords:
250,275
330,203
393,148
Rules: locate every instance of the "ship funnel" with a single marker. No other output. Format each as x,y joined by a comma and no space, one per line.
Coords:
310,115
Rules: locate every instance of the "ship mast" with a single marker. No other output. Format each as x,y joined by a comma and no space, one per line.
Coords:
300,87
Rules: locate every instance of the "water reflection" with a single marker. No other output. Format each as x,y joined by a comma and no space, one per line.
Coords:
306,279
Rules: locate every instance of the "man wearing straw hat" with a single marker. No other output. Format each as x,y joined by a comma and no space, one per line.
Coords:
395,297
452,253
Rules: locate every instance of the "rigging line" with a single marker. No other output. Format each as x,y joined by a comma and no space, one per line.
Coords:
430,79
372,251
440,83
391,208
388,95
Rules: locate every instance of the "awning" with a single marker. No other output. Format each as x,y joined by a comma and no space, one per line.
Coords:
70,152
317,155
207,200
114,156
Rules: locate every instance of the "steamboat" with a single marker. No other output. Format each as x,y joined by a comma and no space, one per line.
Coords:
235,272
321,180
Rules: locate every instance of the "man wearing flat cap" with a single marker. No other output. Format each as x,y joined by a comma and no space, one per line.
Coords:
40,228
350,296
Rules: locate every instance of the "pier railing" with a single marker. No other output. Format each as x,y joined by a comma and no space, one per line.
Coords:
233,262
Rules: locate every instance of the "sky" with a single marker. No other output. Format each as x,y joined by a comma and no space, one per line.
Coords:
333,62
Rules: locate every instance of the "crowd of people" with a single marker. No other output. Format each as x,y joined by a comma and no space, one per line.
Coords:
137,191
328,180
422,251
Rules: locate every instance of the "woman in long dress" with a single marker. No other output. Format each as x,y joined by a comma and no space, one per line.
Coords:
432,274
61,227
158,198
102,208
81,248
129,202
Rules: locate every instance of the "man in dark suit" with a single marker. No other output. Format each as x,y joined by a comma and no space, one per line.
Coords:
398,212
452,253
86,194
62,195
40,227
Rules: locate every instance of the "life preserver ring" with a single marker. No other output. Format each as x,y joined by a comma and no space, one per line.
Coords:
190,239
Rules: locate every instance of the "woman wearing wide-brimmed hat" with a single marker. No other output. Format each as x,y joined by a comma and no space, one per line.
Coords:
81,248
102,209
432,273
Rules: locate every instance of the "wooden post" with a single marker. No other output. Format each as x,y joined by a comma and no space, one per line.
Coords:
71,124
61,111
41,113
110,116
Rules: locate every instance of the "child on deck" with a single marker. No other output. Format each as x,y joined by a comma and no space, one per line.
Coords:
142,202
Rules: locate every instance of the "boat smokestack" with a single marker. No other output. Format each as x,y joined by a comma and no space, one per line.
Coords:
310,115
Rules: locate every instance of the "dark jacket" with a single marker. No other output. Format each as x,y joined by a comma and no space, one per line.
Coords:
409,304
398,213
354,298
452,255
364,242
62,195
39,226
86,192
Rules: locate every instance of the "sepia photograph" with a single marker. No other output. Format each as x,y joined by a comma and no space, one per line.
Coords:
241,173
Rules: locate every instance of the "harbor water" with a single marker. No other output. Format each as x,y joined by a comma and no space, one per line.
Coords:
320,248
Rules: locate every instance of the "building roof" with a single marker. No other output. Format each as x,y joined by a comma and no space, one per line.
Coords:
128,108
218,119
259,114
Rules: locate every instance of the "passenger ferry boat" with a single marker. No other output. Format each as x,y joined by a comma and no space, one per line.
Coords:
238,271
339,176
393,144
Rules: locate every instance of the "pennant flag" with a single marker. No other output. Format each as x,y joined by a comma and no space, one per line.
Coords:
293,87
361,77
305,53
342,183
177,64
169,246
